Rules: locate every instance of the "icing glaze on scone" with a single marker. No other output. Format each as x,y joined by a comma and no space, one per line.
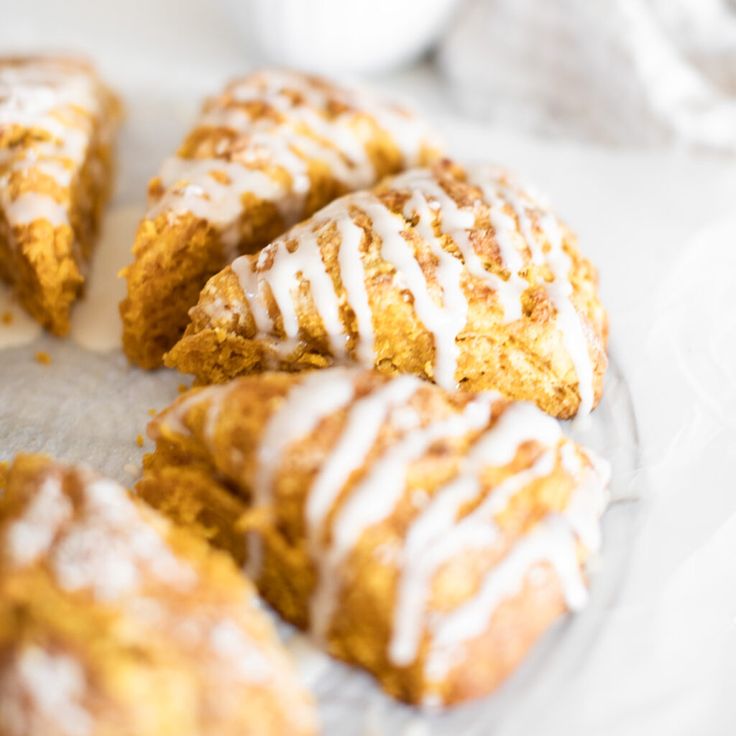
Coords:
377,494
467,256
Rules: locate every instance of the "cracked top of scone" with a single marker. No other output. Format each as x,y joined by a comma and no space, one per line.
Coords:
460,276
113,621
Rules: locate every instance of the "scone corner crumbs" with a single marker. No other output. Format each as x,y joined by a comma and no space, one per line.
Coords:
7,318
182,388
43,357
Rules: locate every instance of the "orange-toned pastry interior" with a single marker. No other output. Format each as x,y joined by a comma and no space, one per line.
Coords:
57,124
459,276
430,537
113,622
269,150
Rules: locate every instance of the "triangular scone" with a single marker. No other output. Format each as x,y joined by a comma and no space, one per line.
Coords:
457,276
427,536
57,122
113,622
271,149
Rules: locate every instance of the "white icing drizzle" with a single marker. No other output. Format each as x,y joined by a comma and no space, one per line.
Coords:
436,537
551,542
364,422
444,315
192,186
306,130
318,396
45,95
443,321
102,550
30,206
31,536
305,262
250,282
334,145
376,496
106,550
352,274
455,222
173,419
499,192
449,319
409,133
53,685
285,273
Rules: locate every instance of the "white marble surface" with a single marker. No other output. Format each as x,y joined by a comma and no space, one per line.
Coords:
662,230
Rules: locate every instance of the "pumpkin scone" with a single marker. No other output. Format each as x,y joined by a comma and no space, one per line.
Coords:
271,149
57,123
430,537
458,276
114,622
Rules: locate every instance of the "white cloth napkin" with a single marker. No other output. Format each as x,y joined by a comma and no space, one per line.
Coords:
619,71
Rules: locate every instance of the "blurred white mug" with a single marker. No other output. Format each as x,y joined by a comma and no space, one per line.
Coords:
340,36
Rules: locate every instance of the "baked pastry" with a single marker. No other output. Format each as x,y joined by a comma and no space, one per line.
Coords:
113,622
57,122
427,536
268,151
461,277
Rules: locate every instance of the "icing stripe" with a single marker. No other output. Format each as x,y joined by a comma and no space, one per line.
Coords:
318,396
58,99
365,419
551,542
30,207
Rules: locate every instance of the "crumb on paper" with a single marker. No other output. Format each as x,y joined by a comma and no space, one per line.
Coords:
7,317
182,388
43,357
152,412
131,469
139,440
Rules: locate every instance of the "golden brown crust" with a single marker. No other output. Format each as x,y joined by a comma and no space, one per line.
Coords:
526,356
133,626
207,470
281,145
55,179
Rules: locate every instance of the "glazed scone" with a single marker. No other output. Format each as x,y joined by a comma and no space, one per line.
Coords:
430,537
271,149
457,276
57,123
113,622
